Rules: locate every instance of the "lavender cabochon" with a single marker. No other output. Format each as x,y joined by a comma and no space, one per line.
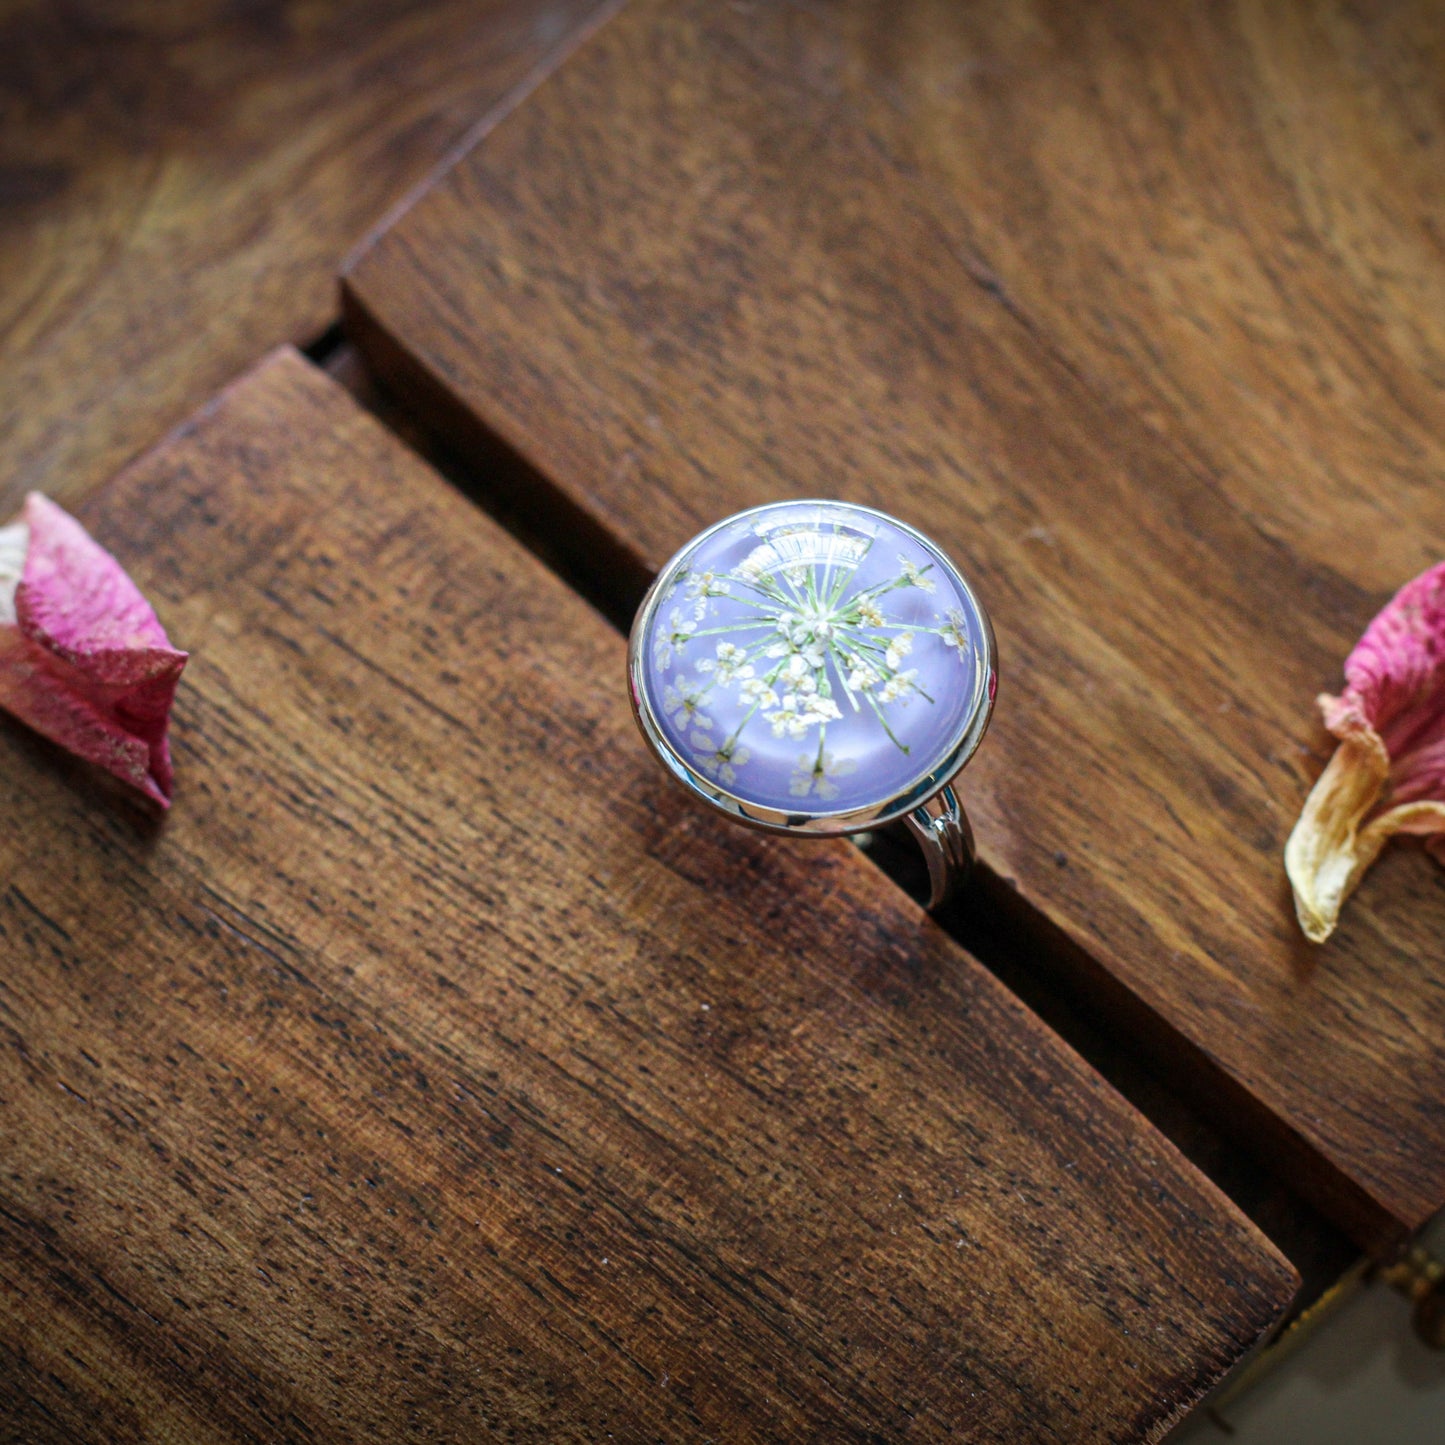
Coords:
813,659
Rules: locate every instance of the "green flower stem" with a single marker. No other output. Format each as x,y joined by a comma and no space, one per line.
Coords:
843,677
733,627
843,579
873,703
731,743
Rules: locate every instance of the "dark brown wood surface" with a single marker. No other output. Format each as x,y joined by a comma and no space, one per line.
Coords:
179,181
1138,310
435,1071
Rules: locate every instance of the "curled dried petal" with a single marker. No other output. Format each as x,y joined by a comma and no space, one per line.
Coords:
83,658
1388,774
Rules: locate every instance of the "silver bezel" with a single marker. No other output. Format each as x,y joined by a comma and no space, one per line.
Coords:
855,820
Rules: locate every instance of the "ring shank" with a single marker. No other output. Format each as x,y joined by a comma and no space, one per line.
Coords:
942,829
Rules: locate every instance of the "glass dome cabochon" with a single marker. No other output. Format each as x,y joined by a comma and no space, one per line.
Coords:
813,660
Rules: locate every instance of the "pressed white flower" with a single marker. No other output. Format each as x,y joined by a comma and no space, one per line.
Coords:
706,584
815,775
801,638
797,675
717,762
671,642
798,630
863,676
799,712
955,633
789,719
736,759
900,687
823,709
702,588
730,663
756,692
898,649
916,575
683,702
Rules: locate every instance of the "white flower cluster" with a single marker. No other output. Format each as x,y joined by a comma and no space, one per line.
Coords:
815,773
802,645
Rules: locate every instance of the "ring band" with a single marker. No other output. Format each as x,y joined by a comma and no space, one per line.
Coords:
943,832
819,667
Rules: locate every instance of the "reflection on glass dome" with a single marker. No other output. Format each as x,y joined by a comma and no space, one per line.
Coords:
823,538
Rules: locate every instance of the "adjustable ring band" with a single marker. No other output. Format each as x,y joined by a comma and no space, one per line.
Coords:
943,832
822,668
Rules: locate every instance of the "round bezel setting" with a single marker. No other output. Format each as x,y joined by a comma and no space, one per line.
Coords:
812,666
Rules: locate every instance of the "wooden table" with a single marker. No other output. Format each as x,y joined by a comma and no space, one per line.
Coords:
1137,309
178,182
435,1071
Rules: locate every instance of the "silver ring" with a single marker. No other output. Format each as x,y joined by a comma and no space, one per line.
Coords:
819,667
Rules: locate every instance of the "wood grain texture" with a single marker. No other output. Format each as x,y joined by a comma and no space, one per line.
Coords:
178,183
437,1072
1138,310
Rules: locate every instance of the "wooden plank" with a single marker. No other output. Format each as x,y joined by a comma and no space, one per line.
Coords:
178,183
1138,310
436,1071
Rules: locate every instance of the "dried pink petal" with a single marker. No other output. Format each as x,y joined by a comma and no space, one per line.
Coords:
83,659
1388,774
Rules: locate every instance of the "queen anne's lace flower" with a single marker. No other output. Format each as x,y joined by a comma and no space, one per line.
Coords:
702,587
683,704
729,665
955,632
916,576
706,584
799,674
719,761
799,712
806,644
900,687
816,773
789,719
672,640
898,649
757,693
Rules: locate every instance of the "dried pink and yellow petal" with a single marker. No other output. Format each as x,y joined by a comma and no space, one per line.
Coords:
83,658
1388,774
